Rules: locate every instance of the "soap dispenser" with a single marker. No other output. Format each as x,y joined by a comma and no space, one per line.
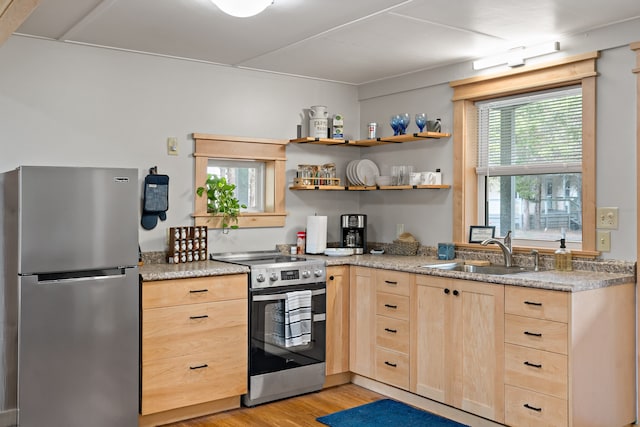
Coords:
563,256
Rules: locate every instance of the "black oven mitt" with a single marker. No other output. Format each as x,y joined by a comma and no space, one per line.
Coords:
156,200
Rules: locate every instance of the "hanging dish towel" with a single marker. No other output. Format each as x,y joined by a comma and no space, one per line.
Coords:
297,320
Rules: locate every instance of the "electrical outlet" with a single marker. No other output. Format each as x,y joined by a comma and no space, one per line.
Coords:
172,146
603,241
607,218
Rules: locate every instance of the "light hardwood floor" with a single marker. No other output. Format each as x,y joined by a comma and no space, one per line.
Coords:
298,411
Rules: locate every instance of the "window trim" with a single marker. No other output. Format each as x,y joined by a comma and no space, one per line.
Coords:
575,70
270,151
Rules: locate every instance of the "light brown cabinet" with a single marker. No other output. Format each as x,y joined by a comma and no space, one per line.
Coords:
459,350
393,327
337,338
194,341
362,316
569,357
380,325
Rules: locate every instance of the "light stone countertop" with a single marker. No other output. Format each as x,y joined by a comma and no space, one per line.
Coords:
163,271
608,274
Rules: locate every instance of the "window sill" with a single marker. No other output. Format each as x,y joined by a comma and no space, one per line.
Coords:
245,220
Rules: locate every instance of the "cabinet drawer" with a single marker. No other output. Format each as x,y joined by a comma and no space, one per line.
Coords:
189,380
537,303
393,282
392,334
536,370
536,333
392,368
166,293
392,305
525,408
194,328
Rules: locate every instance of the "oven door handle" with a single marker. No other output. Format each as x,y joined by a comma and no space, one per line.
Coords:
276,297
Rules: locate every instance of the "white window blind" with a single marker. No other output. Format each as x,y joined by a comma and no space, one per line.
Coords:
537,133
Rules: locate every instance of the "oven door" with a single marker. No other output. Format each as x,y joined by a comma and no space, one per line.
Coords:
268,351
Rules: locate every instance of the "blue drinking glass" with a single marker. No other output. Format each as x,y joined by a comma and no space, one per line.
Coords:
406,119
421,121
396,123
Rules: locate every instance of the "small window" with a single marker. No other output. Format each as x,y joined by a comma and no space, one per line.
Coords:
248,177
257,166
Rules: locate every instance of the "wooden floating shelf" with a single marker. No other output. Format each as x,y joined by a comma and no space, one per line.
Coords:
368,188
383,140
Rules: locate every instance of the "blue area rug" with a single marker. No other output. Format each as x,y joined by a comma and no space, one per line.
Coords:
386,413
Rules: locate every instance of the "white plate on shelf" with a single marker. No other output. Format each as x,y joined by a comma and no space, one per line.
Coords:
351,172
338,251
367,171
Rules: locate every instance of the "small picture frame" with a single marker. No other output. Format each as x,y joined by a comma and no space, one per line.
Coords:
479,233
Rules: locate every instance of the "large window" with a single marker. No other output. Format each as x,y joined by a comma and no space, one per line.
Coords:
537,171
530,165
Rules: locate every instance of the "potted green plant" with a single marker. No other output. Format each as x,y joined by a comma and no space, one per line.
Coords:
221,199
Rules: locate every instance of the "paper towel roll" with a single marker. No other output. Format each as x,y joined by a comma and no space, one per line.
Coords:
316,234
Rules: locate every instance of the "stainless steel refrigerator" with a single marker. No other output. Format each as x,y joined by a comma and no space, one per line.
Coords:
70,297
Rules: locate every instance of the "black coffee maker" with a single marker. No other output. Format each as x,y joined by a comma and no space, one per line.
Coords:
354,232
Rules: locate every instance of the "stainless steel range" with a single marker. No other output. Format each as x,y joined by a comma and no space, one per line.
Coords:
287,324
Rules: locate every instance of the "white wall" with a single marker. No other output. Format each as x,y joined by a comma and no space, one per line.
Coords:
63,104
428,214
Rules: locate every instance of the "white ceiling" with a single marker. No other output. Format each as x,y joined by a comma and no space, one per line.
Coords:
351,41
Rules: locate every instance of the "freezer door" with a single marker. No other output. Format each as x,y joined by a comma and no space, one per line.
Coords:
78,351
77,218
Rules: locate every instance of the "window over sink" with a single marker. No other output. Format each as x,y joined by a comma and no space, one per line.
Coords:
568,190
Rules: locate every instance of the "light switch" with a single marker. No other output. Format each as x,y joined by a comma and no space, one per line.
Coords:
607,218
172,146
603,241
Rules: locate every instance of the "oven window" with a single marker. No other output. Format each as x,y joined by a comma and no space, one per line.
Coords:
268,349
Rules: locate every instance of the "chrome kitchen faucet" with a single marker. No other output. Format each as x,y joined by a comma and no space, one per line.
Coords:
507,251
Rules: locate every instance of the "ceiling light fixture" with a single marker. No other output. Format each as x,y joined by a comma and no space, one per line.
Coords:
242,8
516,57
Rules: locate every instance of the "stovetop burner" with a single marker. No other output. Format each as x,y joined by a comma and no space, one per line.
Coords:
272,268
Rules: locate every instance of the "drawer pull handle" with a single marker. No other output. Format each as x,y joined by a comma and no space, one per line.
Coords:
533,365
446,291
197,291
539,304
204,316
393,365
393,331
456,293
533,408
389,282
533,334
199,366
391,306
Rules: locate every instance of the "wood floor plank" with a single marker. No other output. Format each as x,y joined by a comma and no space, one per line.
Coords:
300,411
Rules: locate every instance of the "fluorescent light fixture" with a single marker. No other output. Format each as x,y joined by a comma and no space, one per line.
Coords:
242,8
516,57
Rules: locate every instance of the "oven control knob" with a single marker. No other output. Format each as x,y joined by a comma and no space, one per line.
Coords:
306,274
260,277
273,277
317,272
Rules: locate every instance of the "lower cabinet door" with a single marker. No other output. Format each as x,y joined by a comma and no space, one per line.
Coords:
525,408
392,367
189,380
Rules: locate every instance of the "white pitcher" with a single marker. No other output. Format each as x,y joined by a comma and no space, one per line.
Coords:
318,112
318,121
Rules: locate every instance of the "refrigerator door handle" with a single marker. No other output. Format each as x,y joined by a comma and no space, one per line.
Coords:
54,278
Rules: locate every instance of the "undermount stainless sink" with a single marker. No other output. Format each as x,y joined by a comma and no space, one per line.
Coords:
481,269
